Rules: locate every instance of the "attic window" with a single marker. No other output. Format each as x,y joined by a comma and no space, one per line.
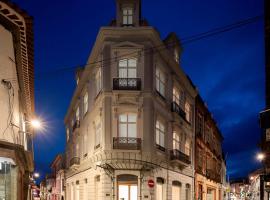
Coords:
127,16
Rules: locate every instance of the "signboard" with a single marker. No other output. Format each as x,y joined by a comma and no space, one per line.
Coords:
151,183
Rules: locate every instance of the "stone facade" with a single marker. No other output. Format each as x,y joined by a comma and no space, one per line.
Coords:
16,101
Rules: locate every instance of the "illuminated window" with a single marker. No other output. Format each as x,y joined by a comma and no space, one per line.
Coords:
127,16
187,147
160,133
85,103
176,96
188,111
127,68
98,81
160,82
128,125
267,132
176,140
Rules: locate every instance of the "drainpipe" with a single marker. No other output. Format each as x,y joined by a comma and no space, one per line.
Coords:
113,188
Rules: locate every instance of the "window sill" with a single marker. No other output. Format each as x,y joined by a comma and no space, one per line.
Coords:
160,148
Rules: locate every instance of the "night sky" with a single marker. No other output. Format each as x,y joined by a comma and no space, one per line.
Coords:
228,68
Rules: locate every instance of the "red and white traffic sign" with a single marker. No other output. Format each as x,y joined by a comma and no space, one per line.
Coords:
151,183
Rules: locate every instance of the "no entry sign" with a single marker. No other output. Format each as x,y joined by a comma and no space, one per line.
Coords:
151,183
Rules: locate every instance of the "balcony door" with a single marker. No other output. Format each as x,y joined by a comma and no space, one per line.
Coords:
128,127
127,187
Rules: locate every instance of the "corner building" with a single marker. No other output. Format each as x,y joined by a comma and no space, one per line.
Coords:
131,118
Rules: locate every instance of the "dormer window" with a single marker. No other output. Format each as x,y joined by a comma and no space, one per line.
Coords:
127,16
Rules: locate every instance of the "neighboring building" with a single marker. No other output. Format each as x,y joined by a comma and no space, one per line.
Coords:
265,114
209,163
240,189
130,124
254,181
16,101
58,168
50,181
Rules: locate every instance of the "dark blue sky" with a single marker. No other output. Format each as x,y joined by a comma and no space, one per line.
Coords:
227,68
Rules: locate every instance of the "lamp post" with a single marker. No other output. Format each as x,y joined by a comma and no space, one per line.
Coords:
261,158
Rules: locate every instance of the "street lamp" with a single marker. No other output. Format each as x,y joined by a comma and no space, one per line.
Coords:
260,156
35,123
36,175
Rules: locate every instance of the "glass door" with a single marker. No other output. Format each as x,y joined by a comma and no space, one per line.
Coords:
127,192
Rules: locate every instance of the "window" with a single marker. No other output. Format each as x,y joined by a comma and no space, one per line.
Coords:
67,132
200,124
187,147
188,192
188,111
85,103
160,134
78,114
159,189
267,134
98,81
127,68
128,125
160,82
176,96
127,16
176,56
176,140
97,134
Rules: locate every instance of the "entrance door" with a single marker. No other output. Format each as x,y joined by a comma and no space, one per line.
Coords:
127,187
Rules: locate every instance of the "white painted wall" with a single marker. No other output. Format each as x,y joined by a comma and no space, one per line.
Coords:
9,112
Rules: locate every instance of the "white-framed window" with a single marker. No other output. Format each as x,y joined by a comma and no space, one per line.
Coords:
85,103
97,134
160,82
267,134
176,140
67,132
188,147
176,95
188,111
160,133
128,125
127,68
98,81
77,114
127,16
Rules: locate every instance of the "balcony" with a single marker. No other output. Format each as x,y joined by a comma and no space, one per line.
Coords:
75,161
127,143
127,84
176,155
210,174
76,125
177,109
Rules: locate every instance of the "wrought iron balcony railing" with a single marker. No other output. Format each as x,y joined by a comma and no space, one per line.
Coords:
176,108
127,143
175,154
74,161
76,125
127,84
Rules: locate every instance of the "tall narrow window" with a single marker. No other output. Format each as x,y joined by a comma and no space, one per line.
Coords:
128,125
98,81
127,16
188,111
67,132
97,134
160,82
85,103
188,192
176,140
176,190
199,124
78,114
160,134
127,68
187,147
176,96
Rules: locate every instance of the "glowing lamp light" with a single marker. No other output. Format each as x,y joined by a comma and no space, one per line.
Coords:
36,175
260,156
251,178
36,124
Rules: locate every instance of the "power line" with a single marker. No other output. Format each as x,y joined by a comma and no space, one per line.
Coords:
161,47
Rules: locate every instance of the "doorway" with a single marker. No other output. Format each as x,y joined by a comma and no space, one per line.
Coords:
127,187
